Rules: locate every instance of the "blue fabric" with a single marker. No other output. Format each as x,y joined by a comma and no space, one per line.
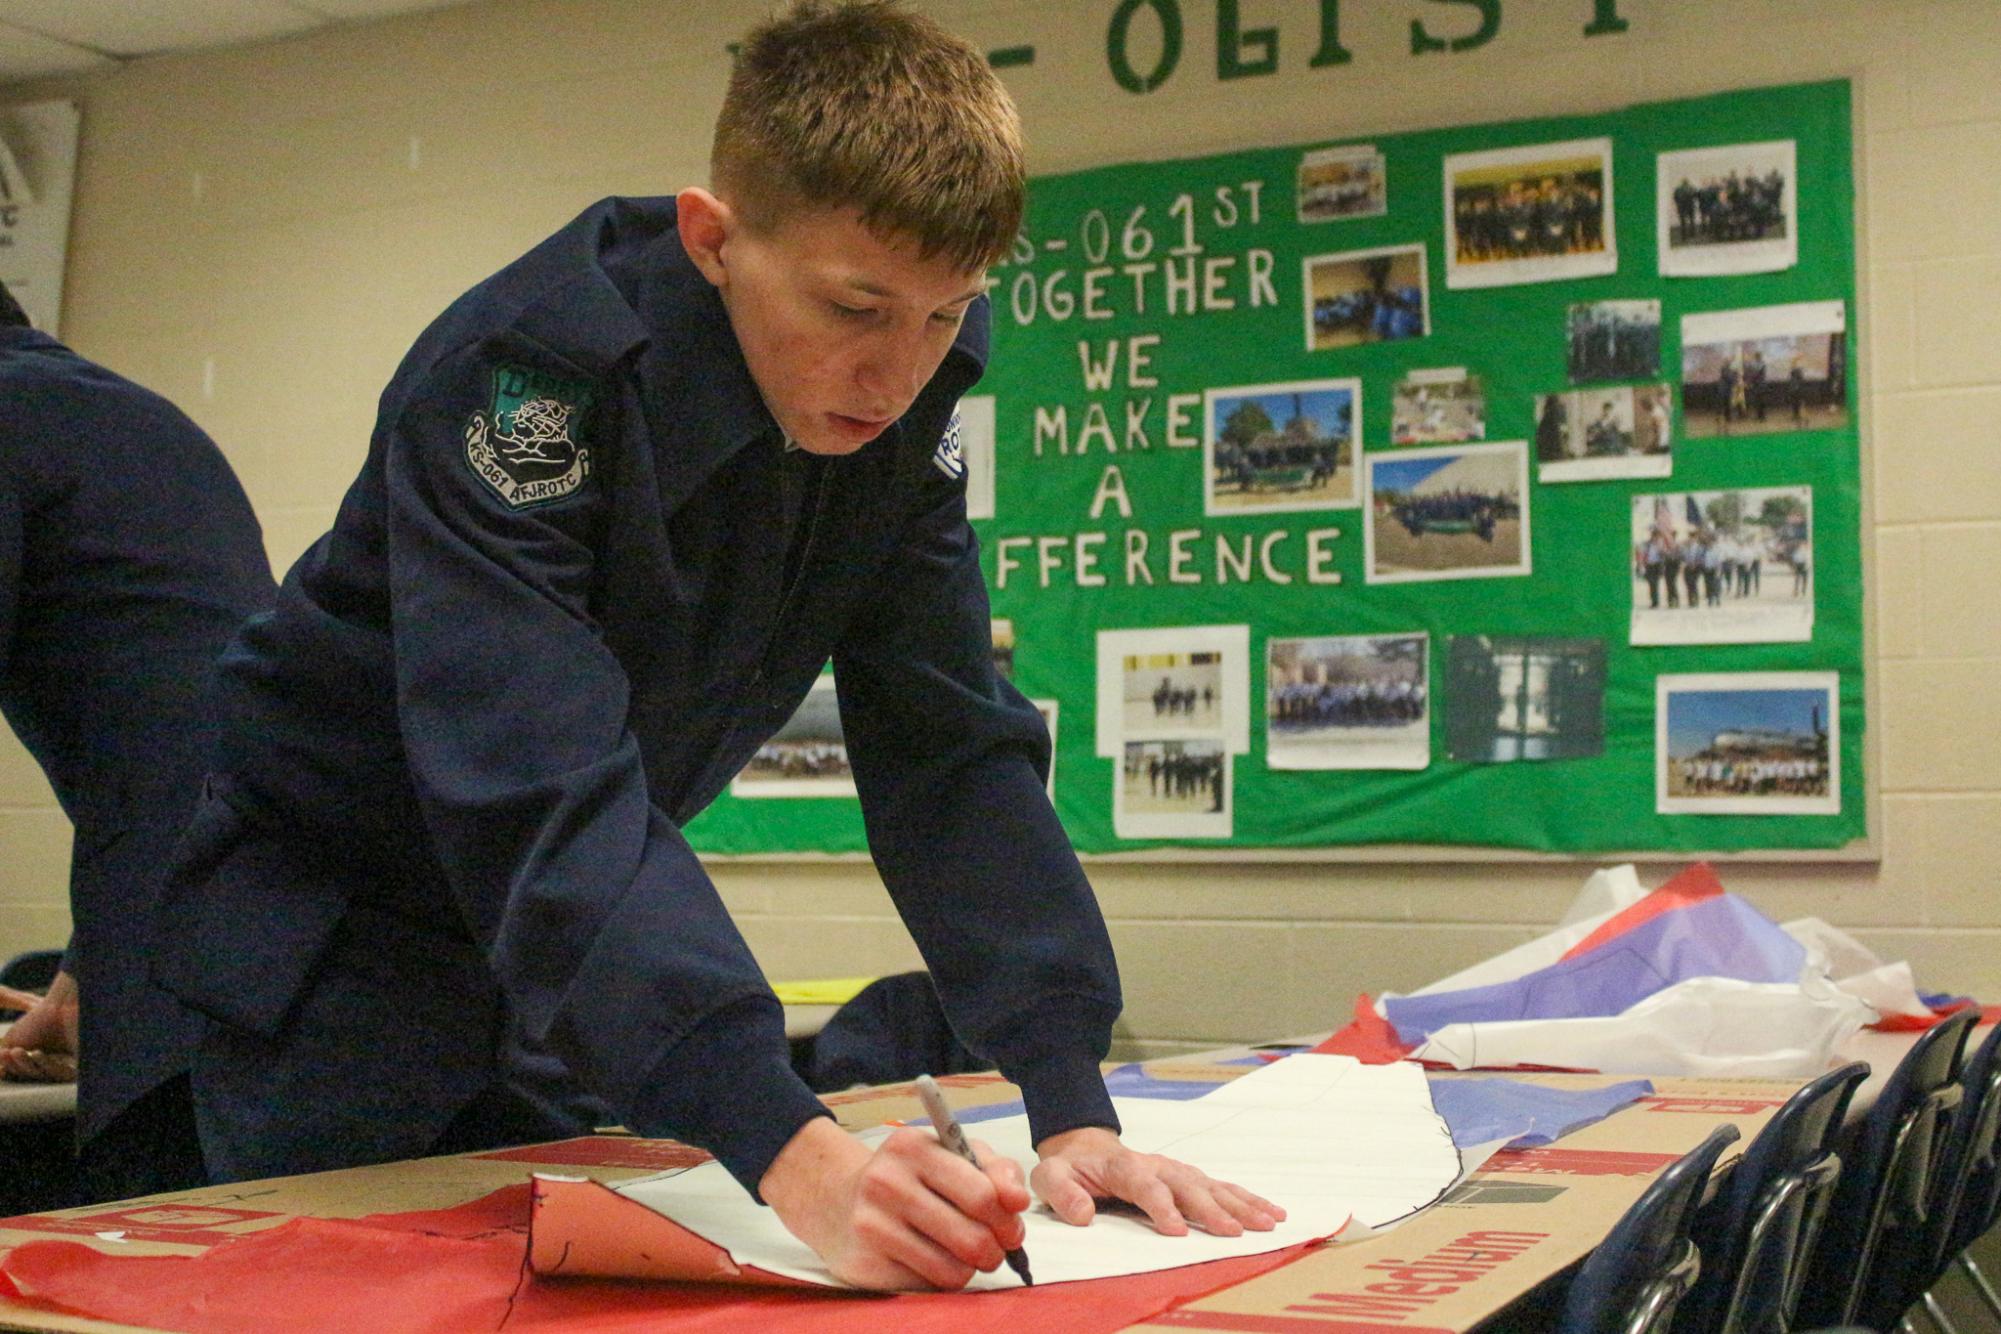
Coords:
1480,1111
1718,937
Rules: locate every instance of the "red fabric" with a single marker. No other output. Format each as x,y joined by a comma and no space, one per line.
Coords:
1918,1023
455,1271
1690,887
1369,1038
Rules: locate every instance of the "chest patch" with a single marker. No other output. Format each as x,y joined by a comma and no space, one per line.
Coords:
949,457
526,445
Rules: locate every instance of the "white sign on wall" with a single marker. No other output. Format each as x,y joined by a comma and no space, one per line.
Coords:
37,181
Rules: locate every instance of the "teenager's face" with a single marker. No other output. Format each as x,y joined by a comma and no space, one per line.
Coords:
840,327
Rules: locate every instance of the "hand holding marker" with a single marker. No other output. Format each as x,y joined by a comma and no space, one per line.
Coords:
954,1139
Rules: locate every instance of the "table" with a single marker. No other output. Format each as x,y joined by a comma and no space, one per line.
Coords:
1535,1213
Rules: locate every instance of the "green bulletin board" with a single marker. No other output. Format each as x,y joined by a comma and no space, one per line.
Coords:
1136,288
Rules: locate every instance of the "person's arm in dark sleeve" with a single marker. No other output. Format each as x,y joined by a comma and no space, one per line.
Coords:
603,928
951,764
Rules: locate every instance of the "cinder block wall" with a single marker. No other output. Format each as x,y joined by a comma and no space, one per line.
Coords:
260,232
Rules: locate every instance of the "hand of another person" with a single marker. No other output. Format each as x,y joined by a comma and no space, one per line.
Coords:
1083,1166
907,1215
41,1046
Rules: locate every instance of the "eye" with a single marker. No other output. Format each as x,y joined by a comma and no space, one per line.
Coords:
950,316
848,312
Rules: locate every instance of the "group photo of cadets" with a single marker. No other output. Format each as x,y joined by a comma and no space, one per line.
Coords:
527,524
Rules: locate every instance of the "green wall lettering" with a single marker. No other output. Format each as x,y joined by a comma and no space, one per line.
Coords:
1422,41
1605,19
1331,51
1168,12
1232,41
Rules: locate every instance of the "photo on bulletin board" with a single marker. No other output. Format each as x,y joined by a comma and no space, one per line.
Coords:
1723,567
1172,789
1446,406
1512,698
1348,702
1366,296
1345,182
1529,215
1591,435
1279,447
1731,209
1615,340
807,757
1747,743
1765,370
1447,512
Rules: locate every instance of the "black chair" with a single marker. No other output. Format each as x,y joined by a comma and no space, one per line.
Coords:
894,1029
1890,1160
1757,1234
1963,1196
33,970
1646,1264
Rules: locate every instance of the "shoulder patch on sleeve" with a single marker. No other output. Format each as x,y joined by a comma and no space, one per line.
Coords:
527,443
950,457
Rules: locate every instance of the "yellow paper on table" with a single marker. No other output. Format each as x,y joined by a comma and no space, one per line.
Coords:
823,991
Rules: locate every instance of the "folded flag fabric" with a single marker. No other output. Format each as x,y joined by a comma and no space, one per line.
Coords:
1688,928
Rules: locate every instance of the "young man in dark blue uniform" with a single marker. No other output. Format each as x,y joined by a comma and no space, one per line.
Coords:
623,501
128,556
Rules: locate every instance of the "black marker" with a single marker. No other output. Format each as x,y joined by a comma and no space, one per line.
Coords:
954,1139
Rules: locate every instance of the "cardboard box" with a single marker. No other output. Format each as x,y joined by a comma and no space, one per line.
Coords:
1527,1216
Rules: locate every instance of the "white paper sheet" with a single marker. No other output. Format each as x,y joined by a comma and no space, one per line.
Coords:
1324,1136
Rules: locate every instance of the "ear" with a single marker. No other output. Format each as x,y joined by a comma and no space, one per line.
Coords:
706,224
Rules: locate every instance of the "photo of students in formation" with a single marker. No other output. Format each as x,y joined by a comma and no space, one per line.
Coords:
1728,209
1723,566
1337,183
1761,382
1173,694
1448,513
1365,296
808,757
1591,434
1529,214
1749,743
1438,411
1524,698
1282,446
1614,340
1174,778
1348,702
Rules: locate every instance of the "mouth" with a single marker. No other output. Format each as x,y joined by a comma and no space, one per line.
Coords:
859,428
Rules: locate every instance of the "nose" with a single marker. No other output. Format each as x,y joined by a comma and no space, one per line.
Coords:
892,370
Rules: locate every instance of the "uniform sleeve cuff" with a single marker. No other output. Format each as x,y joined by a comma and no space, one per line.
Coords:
728,1086
1063,1092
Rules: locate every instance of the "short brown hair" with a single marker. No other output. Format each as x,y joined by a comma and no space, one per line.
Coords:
866,106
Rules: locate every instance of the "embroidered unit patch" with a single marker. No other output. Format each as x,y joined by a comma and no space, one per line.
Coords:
949,456
525,446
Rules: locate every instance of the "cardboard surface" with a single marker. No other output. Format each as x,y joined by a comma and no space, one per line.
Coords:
1526,1216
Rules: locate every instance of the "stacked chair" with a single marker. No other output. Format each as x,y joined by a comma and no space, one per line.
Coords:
1959,1205
1894,1163
1757,1234
1632,1283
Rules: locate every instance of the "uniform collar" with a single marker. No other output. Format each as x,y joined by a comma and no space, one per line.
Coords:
18,338
585,316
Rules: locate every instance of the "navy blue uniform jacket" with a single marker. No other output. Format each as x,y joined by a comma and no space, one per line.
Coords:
128,557
503,708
